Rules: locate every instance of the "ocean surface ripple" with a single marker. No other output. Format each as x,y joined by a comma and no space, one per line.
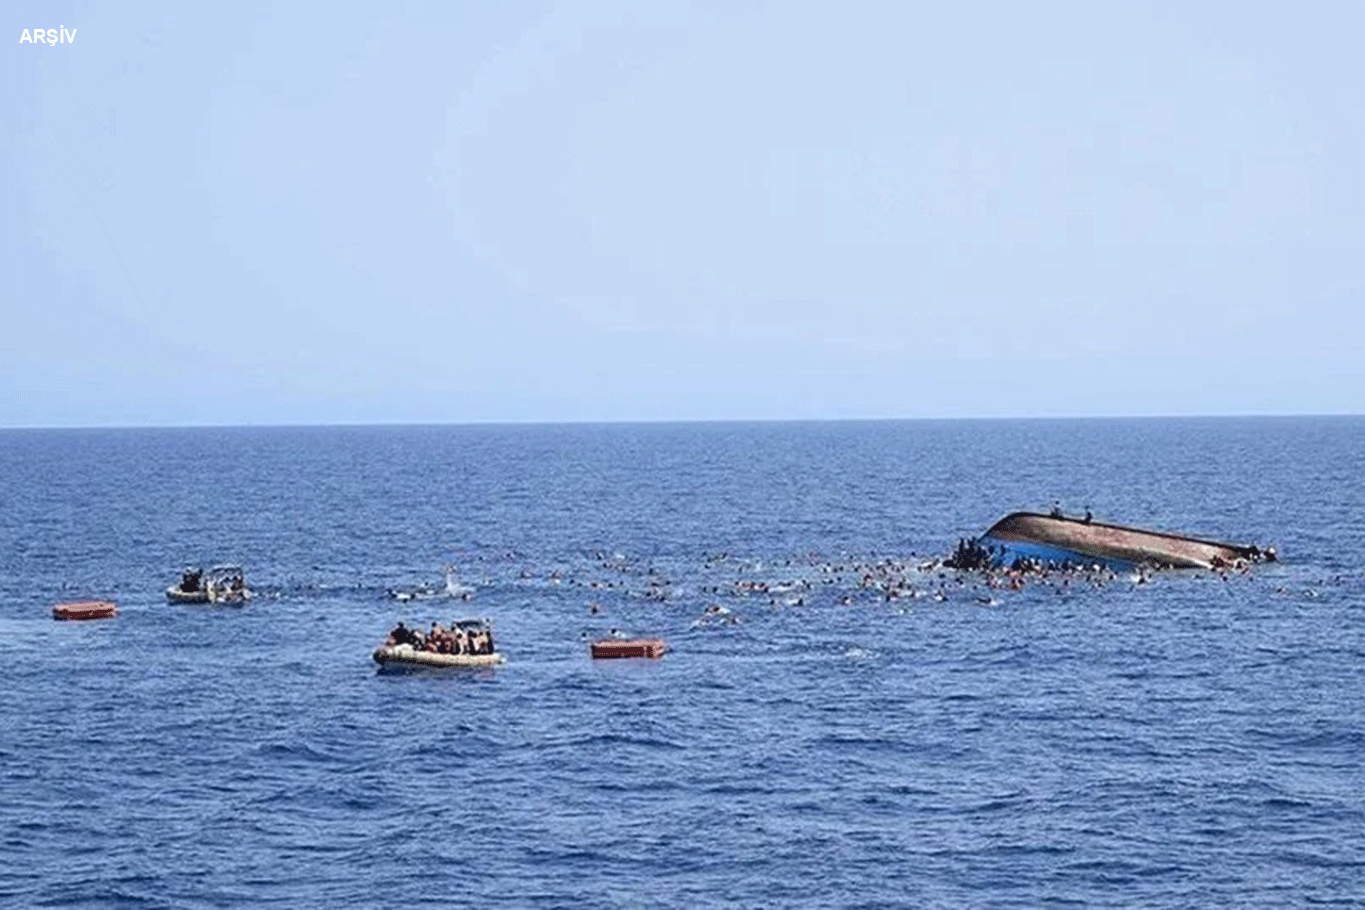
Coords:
815,737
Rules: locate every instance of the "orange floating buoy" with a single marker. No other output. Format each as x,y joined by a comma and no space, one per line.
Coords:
90,609
629,647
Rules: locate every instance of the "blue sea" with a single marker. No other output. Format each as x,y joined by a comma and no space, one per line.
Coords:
1197,740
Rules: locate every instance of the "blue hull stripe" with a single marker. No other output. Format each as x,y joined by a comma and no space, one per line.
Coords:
1048,553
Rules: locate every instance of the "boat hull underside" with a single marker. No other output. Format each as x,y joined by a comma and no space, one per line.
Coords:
1049,539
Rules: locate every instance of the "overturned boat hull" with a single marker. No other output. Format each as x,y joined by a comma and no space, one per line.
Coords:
1073,541
400,658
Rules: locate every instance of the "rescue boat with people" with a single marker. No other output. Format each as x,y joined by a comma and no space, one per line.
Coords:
467,644
225,584
1057,539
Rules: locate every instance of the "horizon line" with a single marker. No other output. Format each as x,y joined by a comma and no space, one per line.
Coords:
531,422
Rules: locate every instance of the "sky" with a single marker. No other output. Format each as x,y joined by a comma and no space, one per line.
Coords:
449,212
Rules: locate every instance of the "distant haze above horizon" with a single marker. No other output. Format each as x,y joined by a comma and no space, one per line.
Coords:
564,212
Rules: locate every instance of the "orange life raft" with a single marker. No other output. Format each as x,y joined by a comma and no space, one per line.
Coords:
630,647
90,609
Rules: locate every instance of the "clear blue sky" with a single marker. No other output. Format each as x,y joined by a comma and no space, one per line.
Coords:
449,212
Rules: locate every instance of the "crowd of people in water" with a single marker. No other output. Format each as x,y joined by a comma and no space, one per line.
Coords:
458,638
723,585
970,554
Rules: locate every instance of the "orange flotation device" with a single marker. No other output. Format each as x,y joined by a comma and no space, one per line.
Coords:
629,647
90,609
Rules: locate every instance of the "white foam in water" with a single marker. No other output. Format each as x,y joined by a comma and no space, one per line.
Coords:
453,587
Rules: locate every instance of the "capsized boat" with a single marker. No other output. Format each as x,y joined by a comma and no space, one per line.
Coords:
468,643
1033,537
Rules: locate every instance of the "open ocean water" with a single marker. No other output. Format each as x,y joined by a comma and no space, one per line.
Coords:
1194,741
